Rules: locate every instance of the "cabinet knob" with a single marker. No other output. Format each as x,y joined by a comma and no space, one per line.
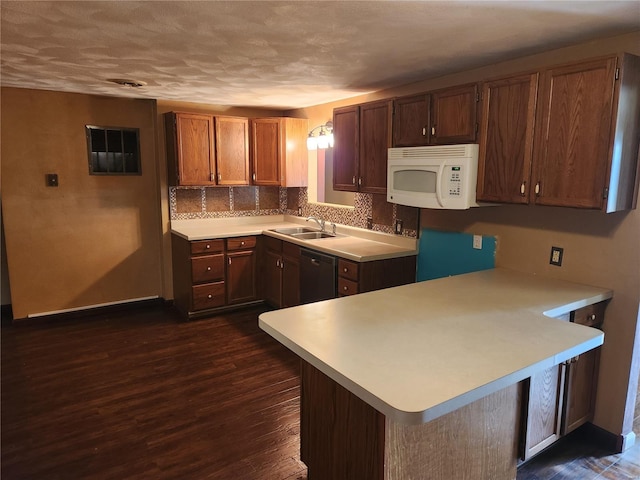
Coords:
208,269
345,288
537,190
523,187
208,246
592,316
209,296
253,177
229,260
241,244
345,269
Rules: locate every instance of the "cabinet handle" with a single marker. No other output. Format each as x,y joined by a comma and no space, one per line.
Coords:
212,178
209,296
281,263
523,187
219,177
253,177
424,131
433,130
208,269
537,190
278,263
353,180
359,180
229,260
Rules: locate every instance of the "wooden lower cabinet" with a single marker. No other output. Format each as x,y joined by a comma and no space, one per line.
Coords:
280,272
213,274
344,438
558,400
355,277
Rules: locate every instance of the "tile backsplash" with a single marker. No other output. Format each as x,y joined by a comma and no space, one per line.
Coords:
215,202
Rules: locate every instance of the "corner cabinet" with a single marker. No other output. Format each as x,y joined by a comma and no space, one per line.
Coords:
279,151
203,150
567,136
441,117
558,400
362,136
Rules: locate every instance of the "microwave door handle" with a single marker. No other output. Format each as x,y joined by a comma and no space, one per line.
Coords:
439,185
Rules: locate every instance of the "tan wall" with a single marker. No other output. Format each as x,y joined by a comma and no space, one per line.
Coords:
599,249
93,239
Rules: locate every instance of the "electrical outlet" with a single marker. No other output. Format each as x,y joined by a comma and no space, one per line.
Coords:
398,227
556,256
370,223
477,242
299,211
51,179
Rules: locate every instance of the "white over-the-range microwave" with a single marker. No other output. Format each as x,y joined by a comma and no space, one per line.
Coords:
442,177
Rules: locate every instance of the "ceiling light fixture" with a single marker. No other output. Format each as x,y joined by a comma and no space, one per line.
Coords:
323,140
126,82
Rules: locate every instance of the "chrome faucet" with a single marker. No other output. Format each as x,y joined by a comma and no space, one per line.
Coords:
319,221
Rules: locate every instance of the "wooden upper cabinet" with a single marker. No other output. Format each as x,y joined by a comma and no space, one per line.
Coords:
232,150
506,139
587,134
279,151
265,136
454,115
346,150
411,126
375,140
190,149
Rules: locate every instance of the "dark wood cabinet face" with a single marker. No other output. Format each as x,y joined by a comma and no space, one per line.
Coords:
375,140
240,279
232,150
453,115
571,151
346,149
411,121
266,153
506,139
194,148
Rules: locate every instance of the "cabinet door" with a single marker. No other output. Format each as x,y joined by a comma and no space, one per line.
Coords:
375,140
346,150
506,139
411,121
543,410
194,149
571,149
290,275
272,281
232,150
265,136
580,390
453,115
241,276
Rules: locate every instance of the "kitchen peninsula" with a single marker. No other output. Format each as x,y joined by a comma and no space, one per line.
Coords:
424,380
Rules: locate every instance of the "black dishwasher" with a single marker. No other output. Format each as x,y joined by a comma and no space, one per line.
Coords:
318,276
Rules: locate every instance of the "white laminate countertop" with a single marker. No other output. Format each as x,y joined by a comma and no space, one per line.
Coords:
352,243
419,351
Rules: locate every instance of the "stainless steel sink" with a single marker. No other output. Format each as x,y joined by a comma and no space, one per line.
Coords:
311,235
294,230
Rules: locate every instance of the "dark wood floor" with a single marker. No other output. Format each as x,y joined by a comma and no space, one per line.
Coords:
142,395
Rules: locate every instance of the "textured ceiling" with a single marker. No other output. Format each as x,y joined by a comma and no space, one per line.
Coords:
280,54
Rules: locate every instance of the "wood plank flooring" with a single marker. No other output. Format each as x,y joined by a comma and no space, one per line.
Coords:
141,395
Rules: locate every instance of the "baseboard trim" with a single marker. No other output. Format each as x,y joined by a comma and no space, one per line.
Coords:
612,442
89,311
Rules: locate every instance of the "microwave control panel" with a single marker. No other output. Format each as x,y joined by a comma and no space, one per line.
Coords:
454,180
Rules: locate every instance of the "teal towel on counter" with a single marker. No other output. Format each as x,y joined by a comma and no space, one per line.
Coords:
443,254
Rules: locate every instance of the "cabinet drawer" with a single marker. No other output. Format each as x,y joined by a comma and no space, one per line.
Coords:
591,315
241,243
348,269
207,268
209,295
347,287
207,246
